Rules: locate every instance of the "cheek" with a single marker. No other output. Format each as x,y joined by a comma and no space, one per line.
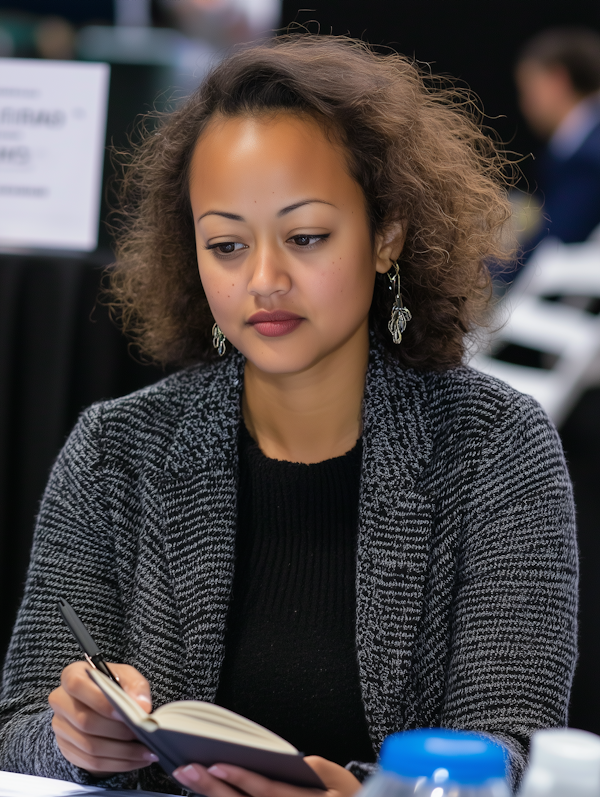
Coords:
542,96
217,287
345,285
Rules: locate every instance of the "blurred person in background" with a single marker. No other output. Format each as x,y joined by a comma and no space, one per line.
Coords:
558,81
223,22
185,34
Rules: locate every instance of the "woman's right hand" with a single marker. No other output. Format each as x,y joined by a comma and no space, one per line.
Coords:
88,730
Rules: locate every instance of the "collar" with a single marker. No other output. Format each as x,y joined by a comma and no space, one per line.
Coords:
395,416
575,128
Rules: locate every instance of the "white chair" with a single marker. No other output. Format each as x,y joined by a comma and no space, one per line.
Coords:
549,344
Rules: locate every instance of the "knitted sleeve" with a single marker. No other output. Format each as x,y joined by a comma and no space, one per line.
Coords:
513,630
72,557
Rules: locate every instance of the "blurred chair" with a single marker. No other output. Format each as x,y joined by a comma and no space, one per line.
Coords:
549,345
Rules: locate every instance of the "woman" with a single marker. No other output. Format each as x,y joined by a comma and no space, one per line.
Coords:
329,525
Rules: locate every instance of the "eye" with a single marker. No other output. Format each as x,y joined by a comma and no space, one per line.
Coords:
307,241
224,248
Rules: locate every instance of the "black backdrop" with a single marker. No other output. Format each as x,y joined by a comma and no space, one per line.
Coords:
473,41
59,352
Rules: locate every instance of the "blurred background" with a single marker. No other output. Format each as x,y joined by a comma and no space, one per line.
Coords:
59,351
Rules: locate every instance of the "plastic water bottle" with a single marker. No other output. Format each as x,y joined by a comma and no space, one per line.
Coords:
563,762
439,763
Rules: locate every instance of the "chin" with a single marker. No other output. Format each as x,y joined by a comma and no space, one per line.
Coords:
290,358
282,365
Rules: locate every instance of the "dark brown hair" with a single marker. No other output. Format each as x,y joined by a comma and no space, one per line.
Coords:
577,50
412,145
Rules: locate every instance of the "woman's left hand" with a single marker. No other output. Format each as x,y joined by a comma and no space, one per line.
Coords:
225,780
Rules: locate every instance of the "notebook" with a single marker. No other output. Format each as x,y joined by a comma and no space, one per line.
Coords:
190,731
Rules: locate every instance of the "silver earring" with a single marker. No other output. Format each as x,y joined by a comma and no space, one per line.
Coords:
218,340
400,315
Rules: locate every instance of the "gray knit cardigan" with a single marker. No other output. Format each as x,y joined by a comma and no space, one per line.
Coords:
466,568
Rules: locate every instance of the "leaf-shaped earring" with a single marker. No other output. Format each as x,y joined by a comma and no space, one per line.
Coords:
218,340
400,315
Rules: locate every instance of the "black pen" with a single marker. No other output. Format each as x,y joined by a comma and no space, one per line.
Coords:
90,649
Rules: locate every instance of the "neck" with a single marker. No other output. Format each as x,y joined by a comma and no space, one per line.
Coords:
313,415
564,109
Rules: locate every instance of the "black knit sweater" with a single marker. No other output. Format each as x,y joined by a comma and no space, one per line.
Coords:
466,566
290,651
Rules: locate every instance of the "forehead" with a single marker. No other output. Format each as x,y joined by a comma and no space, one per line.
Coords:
530,70
281,153
246,133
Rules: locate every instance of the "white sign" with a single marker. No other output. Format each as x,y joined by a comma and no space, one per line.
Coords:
52,131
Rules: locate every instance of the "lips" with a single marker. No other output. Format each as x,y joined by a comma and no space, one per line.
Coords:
275,323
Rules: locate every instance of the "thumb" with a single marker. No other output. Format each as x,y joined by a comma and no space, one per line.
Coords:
134,683
335,777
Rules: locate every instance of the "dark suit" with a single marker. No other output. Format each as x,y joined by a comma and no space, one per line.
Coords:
570,189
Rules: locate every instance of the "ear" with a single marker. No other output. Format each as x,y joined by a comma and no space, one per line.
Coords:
389,246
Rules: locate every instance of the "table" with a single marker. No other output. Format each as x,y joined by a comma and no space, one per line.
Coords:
13,784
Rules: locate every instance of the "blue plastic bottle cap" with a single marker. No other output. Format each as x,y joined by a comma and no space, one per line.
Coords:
467,757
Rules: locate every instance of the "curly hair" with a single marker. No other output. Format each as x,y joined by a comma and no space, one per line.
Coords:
414,146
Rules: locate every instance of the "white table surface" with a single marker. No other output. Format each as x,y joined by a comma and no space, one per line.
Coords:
16,785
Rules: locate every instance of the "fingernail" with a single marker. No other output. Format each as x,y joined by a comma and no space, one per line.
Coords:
218,772
151,757
188,772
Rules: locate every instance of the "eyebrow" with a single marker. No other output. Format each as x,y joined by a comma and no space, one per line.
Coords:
282,212
285,211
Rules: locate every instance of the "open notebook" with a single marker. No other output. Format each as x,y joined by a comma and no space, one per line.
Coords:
189,731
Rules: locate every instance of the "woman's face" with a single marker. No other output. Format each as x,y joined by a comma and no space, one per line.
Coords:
284,250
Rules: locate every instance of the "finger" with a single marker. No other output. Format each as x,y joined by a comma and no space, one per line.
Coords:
335,777
198,779
134,683
102,767
257,785
98,751
77,683
88,721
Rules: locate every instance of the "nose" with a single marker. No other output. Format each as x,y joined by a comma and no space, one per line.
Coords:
268,274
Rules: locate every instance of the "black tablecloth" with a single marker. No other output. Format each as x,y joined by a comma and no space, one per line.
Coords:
59,352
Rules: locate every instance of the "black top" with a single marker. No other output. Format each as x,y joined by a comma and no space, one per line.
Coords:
290,655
